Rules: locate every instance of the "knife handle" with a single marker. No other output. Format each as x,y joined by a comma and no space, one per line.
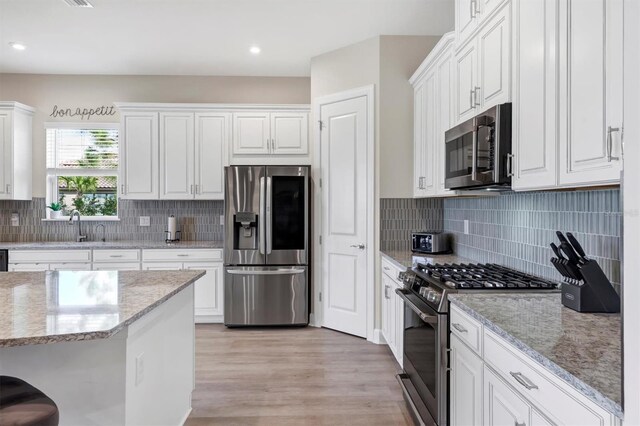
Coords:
576,245
561,237
571,254
554,247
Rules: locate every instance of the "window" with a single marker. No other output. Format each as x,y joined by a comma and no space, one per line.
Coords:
82,169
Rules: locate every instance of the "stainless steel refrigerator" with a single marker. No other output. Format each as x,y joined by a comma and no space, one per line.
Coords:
266,274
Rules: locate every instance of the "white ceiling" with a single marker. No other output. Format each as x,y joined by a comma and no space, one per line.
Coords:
200,37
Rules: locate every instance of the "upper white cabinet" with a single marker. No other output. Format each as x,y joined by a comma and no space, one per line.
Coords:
139,147
260,136
16,129
535,94
433,114
192,155
177,163
567,112
470,15
591,33
483,66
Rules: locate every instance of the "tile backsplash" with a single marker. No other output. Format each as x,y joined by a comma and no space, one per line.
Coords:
198,221
515,229
401,216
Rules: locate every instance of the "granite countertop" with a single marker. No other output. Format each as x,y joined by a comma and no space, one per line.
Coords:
404,258
125,244
582,349
49,307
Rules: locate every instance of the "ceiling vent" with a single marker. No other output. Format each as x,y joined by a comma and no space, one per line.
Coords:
78,3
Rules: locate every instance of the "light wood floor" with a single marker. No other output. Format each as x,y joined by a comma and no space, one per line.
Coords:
293,376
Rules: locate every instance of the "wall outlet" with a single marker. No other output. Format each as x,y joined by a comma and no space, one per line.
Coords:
145,221
139,369
15,219
221,219
466,227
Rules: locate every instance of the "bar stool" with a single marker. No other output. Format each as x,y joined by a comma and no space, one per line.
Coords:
23,405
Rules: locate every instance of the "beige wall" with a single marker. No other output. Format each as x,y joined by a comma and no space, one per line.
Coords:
400,56
70,91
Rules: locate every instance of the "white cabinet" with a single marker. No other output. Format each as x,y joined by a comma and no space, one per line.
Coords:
535,97
251,133
263,135
465,394
117,266
49,260
16,140
502,405
139,147
392,309
591,80
433,114
28,267
116,260
177,163
209,300
212,136
471,14
483,67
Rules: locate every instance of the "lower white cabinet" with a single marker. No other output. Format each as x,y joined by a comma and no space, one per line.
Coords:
494,383
392,309
502,405
117,266
465,392
28,267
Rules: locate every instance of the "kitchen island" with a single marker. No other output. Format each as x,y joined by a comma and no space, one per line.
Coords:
108,347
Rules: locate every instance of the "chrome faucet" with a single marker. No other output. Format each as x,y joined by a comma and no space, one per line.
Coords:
103,230
79,238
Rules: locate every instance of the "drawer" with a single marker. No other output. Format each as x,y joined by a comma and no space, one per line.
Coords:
466,328
44,256
116,266
182,255
391,269
116,256
557,399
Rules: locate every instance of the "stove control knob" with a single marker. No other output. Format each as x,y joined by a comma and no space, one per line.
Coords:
433,296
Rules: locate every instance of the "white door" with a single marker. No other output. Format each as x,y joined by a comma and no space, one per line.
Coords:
466,385
289,133
176,156
212,138
444,117
345,159
139,156
494,51
431,107
399,323
6,161
466,85
488,6
502,406
591,95
466,18
388,312
419,138
251,133
208,297
535,68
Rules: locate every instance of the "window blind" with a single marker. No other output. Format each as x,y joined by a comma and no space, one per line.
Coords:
76,149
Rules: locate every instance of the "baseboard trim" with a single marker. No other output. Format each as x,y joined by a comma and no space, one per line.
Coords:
312,321
378,338
186,416
209,319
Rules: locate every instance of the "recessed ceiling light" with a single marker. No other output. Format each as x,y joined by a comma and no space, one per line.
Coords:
254,50
17,46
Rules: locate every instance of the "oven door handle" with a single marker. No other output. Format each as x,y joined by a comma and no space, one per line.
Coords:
429,319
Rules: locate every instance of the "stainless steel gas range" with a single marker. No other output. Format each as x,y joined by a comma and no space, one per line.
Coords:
425,380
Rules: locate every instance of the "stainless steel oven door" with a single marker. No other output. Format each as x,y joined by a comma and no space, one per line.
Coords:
425,354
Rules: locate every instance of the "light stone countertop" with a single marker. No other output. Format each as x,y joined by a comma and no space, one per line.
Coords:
58,306
114,245
405,258
582,349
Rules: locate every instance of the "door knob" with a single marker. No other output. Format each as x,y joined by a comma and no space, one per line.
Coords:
359,246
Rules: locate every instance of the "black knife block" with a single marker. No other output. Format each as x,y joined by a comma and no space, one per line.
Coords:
595,294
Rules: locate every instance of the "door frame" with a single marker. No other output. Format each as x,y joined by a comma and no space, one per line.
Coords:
317,317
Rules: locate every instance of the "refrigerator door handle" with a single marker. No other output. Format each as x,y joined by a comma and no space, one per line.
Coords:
268,216
284,271
261,220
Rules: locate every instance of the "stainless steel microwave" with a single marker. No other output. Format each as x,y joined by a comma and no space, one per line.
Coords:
478,151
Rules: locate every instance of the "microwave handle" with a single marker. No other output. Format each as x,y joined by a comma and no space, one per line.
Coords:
474,155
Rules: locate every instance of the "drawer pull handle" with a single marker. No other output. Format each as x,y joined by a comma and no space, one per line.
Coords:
183,255
386,268
458,327
520,424
115,255
523,380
